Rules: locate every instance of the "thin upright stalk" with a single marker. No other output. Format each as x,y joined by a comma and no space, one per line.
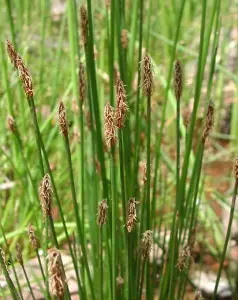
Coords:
28,282
76,211
227,238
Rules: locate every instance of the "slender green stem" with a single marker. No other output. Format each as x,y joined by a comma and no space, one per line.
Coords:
227,238
40,265
28,282
77,217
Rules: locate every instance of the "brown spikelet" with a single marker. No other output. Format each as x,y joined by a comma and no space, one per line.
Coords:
102,212
81,82
56,273
209,122
192,239
23,72
184,255
178,80
131,217
147,76
11,124
122,107
45,193
32,237
2,253
198,295
109,125
124,38
147,243
63,123
19,254
236,168
84,23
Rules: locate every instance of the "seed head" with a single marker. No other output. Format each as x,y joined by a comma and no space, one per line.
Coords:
2,253
122,107
56,273
84,23
45,193
147,243
124,38
131,214
23,72
184,255
11,124
109,125
19,254
147,76
178,80
198,295
102,213
63,123
81,83
33,239
209,122
236,168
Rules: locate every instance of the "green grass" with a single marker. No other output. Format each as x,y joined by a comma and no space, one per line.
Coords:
177,187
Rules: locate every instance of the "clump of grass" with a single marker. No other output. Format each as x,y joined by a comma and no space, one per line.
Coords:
113,251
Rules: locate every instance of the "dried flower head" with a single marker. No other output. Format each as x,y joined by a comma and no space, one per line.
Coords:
236,168
63,123
198,295
124,38
147,243
122,107
45,193
56,273
178,80
131,217
109,125
102,212
19,254
84,23
24,74
81,82
147,76
33,239
2,253
184,255
209,122
11,124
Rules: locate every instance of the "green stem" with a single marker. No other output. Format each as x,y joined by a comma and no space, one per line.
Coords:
28,282
76,211
227,238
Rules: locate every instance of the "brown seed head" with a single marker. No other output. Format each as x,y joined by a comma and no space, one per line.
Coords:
19,254
178,80
23,72
147,243
109,125
63,123
33,239
45,193
236,168
198,295
209,122
131,214
11,124
102,212
56,273
2,253
124,38
122,107
84,23
147,76
81,83
184,255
